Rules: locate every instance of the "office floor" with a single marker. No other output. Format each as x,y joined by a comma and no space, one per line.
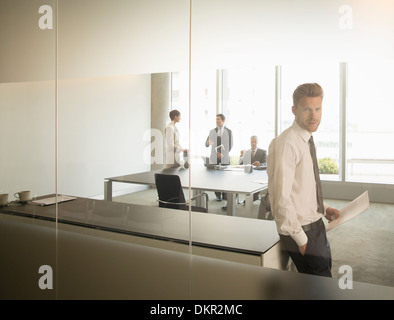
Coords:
365,243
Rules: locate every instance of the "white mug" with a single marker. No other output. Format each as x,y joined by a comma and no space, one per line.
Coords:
3,199
23,196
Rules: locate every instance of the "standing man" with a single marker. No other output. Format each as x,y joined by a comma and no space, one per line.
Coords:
295,189
220,140
173,148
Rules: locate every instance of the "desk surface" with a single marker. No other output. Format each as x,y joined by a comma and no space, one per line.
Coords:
230,179
216,231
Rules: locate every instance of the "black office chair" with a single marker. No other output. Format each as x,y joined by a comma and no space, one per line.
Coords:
169,190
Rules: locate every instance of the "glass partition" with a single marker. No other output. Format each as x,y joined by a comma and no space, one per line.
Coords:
86,90
28,111
115,63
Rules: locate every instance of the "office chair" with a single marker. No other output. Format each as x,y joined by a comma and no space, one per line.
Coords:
169,190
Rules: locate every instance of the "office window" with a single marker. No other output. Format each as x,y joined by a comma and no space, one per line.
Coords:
370,131
328,135
249,105
203,107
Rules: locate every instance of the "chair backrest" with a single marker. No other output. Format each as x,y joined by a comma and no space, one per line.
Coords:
169,189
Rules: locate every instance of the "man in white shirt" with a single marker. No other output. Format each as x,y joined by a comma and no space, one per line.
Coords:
173,148
293,186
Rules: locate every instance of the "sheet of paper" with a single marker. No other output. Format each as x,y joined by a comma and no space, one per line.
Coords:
260,181
52,200
350,211
221,146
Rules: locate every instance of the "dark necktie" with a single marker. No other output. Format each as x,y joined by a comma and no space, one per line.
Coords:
219,149
319,192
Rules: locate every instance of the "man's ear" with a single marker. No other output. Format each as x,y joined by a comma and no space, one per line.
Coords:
293,109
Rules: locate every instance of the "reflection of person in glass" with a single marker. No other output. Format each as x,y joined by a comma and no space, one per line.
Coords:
295,189
174,151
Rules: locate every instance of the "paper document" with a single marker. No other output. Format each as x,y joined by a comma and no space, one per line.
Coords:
260,181
52,200
221,146
353,209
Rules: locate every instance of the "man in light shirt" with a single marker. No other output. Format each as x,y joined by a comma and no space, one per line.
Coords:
293,186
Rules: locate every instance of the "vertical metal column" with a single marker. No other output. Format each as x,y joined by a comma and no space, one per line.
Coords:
278,98
343,120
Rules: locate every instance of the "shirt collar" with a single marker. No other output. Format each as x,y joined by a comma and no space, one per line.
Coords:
304,134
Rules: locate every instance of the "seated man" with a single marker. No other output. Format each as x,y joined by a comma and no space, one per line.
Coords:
254,156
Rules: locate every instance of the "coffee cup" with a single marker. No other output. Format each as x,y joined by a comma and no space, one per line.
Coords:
23,196
248,168
3,199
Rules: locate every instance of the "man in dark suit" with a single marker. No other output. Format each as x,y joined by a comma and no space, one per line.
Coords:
220,139
255,156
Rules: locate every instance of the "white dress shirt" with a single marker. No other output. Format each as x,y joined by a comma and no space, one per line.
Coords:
173,148
291,183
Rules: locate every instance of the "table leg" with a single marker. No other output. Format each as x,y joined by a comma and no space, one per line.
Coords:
198,200
108,190
230,204
249,205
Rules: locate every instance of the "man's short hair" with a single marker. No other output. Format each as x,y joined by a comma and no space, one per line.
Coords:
221,115
174,113
307,90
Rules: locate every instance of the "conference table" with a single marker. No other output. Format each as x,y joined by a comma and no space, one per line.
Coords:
232,180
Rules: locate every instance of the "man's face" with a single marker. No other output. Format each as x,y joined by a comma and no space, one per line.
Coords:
219,122
308,113
253,143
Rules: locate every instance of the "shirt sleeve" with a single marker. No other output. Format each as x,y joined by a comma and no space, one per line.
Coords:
282,172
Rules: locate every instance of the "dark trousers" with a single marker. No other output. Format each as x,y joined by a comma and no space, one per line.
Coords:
317,258
221,195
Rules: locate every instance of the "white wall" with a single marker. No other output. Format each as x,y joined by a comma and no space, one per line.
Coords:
101,122
101,127
95,38
27,137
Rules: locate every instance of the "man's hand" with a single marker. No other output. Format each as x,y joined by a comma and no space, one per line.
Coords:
331,214
303,249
